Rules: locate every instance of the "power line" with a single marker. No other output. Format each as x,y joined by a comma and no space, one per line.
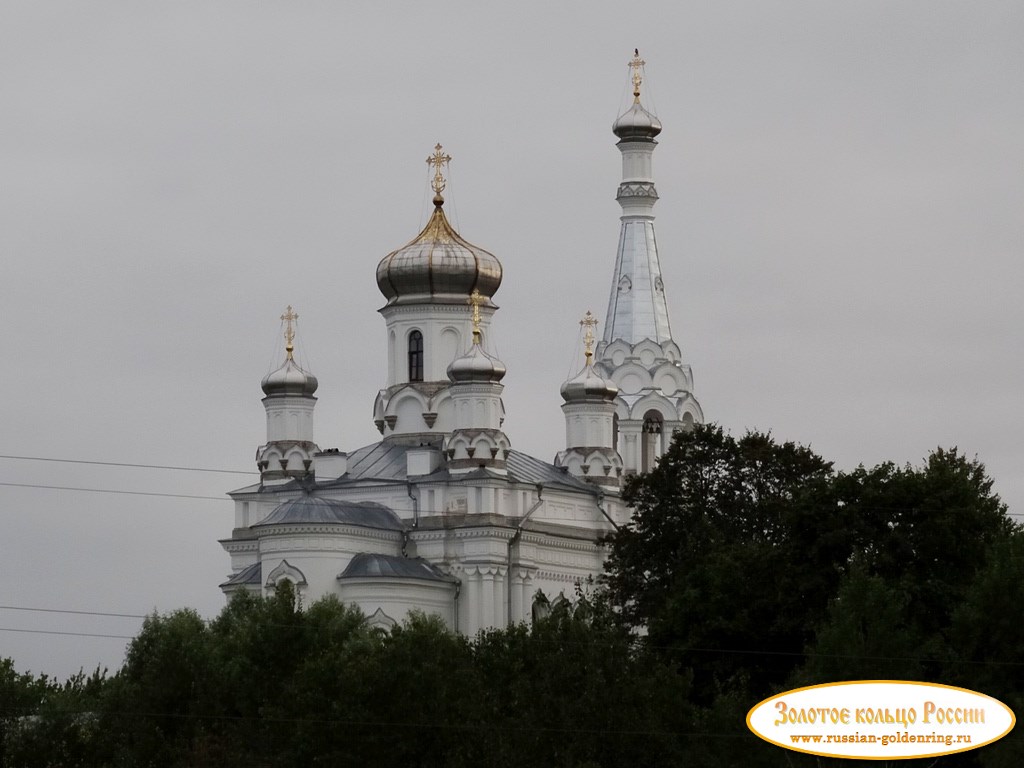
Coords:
70,634
110,490
126,464
77,613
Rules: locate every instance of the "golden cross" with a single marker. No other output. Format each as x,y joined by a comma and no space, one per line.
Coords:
589,322
477,300
637,66
289,317
438,159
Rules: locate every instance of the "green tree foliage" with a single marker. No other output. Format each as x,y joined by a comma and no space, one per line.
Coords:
269,684
734,551
20,696
754,567
44,722
575,690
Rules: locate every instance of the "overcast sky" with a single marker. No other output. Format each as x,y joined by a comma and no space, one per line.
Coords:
841,226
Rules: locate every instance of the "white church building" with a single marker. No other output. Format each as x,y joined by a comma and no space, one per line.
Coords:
443,515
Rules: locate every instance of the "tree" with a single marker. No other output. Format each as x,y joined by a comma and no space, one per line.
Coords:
754,567
20,695
575,690
47,723
734,550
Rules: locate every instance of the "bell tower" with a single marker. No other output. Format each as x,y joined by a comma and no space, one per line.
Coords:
637,351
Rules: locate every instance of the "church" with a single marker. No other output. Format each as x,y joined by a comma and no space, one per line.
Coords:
443,515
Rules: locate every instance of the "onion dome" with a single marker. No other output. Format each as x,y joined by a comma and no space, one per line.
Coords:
588,384
438,264
636,122
476,365
290,378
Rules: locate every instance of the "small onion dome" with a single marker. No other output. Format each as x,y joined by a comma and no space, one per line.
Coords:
437,264
588,384
476,365
636,123
289,379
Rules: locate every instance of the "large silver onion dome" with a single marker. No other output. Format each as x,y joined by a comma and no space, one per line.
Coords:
476,365
438,265
289,379
588,384
636,123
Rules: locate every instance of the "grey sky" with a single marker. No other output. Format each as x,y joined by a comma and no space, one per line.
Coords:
840,225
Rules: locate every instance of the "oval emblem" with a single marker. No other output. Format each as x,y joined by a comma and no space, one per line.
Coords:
881,719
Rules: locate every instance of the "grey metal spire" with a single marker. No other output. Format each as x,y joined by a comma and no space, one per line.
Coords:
637,309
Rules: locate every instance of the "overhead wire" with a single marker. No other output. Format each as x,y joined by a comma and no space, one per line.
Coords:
113,490
70,634
128,464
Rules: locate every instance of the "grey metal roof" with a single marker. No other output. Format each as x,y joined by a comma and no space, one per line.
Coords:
386,462
248,575
366,565
313,509
527,469
380,461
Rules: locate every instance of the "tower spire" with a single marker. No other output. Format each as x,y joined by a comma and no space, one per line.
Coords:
637,309
637,350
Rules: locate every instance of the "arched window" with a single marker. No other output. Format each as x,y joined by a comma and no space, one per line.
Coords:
415,356
651,448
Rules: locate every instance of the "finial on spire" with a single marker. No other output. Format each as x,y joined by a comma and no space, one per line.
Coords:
289,317
438,159
637,65
477,300
588,323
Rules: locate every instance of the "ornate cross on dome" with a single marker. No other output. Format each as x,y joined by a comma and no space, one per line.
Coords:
438,159
589,322
289,317
477,300
637,65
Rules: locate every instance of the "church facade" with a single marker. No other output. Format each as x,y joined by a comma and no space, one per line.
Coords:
443,515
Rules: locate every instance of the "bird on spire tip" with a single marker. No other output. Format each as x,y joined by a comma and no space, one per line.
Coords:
637,66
